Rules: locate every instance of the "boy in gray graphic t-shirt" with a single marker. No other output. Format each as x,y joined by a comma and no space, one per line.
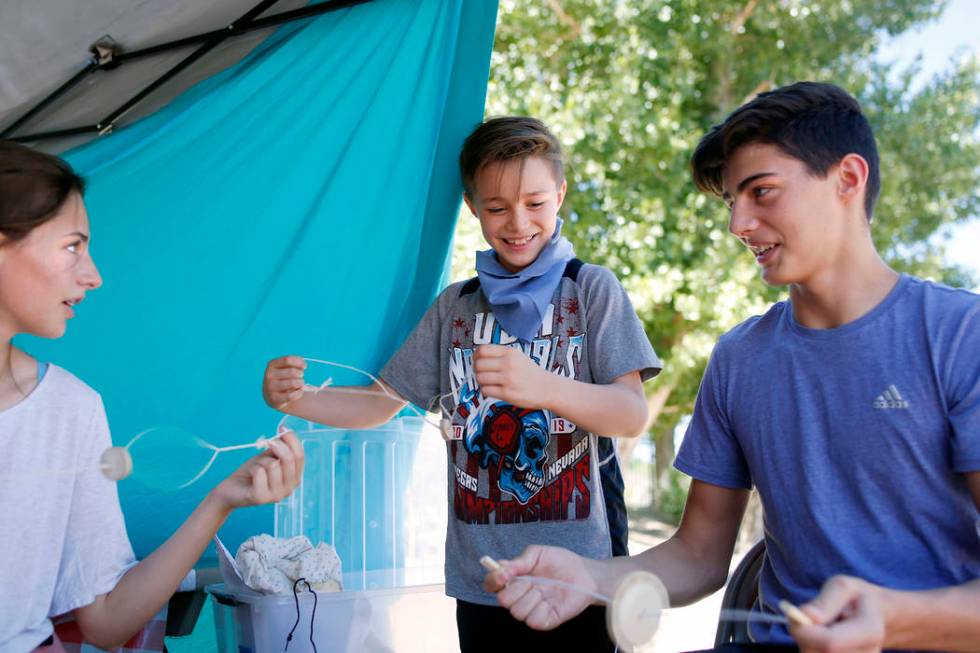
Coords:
536,357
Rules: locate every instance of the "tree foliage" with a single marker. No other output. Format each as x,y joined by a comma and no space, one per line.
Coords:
629,86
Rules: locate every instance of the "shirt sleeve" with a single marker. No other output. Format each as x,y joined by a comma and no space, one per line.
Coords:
710,451
963,392
413,371
97,552
617,342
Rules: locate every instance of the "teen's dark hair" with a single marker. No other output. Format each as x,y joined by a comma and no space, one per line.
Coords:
33,186
816,123
507,138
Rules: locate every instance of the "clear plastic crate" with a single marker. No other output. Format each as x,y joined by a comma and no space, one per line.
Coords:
412,619
378,496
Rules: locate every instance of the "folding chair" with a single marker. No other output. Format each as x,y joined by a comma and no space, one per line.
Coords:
740,594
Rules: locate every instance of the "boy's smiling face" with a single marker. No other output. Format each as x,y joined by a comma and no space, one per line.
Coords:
517,206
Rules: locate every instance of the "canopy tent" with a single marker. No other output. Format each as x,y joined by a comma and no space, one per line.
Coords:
69,71
301,200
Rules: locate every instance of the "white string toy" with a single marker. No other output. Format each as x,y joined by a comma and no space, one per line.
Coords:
633,612
117,462
443,424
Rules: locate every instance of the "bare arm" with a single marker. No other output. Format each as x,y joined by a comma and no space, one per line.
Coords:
692,563
858,615
113,618
614,409
353,407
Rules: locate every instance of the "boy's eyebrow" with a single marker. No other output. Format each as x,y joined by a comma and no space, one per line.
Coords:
745,182
533,192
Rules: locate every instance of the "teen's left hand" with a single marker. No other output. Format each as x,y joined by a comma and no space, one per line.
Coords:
849,616
266,478
508,374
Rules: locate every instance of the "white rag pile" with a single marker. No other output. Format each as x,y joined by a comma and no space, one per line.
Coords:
271,565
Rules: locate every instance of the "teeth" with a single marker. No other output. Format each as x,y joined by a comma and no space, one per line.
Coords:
761,249
517,241
533,482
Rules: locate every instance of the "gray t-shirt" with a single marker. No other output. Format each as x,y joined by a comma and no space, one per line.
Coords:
65,541
518,476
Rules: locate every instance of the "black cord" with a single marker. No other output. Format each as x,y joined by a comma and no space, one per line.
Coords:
309,588
312,616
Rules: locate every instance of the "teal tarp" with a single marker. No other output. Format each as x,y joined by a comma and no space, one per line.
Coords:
300,202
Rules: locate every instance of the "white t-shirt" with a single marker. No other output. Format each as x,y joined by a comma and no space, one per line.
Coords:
64,541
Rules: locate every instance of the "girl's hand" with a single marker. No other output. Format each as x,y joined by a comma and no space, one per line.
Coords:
266,478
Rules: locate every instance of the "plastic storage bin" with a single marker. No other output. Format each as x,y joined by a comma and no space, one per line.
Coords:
418,618
379,497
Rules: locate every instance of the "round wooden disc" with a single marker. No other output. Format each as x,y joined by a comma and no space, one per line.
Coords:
633,615
116,463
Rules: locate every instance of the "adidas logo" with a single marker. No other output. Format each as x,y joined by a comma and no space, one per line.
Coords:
890,398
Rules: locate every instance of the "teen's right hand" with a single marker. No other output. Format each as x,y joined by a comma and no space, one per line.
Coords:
542,607
283,381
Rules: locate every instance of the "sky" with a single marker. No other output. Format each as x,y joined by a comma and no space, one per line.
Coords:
952,35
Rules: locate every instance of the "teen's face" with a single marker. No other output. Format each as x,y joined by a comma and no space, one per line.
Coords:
46,273
792,222
517,209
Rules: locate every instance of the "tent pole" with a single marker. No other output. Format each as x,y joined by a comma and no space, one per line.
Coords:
59,133
247,23
91,67
107,123
245,28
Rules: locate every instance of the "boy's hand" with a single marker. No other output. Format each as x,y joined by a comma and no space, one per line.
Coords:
283,381
508,374
268,477
541,607
849,617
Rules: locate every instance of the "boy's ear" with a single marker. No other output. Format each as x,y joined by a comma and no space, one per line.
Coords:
469,203
852,178
561,191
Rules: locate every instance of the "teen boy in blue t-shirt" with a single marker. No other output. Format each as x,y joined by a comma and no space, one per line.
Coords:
853,408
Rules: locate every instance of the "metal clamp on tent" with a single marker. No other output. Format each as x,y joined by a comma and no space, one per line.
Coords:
105,51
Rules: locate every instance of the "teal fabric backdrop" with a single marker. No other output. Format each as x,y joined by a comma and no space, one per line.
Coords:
302,201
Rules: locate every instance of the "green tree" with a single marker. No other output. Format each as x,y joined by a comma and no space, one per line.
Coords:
631,85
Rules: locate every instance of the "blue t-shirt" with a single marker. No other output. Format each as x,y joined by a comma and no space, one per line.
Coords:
856,438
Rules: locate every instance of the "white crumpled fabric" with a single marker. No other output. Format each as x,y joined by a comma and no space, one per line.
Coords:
271,565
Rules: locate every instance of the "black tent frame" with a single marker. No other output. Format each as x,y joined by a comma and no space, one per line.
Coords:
106,56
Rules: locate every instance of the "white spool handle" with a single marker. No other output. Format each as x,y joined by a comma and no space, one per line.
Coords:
116,463
633,614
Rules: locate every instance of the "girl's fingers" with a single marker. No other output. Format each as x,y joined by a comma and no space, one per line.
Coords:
273,468
287,461
260,484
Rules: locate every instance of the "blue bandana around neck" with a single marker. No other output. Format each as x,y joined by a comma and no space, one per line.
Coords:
520,299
